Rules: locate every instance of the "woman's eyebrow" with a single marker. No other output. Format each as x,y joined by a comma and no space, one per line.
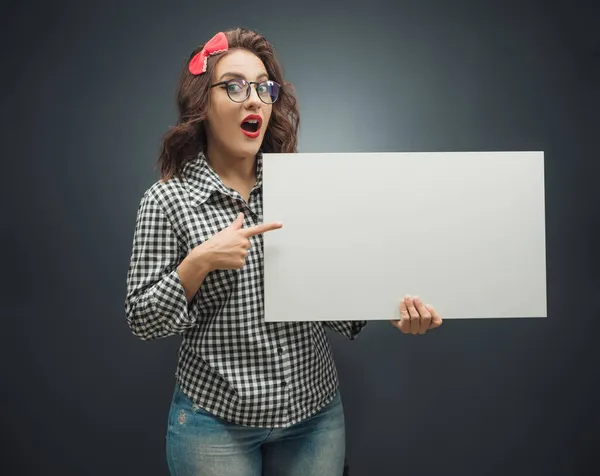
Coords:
234,74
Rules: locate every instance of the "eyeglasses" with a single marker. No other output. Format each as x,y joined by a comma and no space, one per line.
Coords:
238,90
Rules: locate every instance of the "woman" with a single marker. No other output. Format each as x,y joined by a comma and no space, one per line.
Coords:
252,397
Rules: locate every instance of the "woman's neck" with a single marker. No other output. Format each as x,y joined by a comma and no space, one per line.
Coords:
238,173
231,168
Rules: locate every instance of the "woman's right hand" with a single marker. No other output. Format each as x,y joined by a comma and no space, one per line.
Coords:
228,249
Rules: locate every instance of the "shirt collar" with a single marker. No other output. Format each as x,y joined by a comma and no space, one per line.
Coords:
203,181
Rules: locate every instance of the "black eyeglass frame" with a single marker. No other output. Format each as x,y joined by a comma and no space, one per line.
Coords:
249,83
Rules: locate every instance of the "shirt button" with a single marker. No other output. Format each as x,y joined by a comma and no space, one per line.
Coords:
280,350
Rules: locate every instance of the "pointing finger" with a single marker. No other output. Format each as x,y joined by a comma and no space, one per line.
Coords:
259,229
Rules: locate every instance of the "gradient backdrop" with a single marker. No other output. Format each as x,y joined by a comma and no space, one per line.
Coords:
87,91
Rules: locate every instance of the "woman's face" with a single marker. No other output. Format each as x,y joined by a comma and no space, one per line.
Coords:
237,128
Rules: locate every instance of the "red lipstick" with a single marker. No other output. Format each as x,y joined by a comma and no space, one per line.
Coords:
251,126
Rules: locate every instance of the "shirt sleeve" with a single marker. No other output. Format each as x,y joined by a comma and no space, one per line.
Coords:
155,302
349,329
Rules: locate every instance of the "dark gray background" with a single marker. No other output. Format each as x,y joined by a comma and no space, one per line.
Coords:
87,91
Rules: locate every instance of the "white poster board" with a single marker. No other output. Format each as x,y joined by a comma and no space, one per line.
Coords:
463,230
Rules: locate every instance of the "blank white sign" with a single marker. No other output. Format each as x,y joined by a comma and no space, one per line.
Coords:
464,231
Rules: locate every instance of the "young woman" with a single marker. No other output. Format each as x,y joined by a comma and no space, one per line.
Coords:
251,398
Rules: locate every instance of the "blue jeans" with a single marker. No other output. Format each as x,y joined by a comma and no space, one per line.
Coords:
201,444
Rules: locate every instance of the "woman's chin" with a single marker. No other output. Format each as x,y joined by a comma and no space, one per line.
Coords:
248,150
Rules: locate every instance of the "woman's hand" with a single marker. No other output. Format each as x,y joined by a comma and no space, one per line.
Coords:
228,249
416,317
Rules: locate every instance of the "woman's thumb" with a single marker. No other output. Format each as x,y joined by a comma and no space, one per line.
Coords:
238,222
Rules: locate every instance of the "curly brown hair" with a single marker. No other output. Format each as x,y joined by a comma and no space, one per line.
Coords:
187,138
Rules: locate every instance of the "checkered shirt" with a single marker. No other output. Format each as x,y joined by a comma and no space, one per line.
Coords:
231,362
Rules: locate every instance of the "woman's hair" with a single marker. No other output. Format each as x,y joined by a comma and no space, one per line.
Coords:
187,138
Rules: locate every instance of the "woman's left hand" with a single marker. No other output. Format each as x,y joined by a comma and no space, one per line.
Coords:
416,317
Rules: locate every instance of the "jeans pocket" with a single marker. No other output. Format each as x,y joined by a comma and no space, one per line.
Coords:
182,408
187,415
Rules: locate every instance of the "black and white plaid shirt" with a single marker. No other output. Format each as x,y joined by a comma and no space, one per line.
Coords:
231,362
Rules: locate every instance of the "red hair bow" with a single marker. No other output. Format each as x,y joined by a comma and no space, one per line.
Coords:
217,44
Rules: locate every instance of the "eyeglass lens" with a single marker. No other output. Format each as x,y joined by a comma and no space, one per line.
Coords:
239,89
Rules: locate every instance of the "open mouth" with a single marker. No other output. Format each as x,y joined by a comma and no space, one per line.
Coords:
251,126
